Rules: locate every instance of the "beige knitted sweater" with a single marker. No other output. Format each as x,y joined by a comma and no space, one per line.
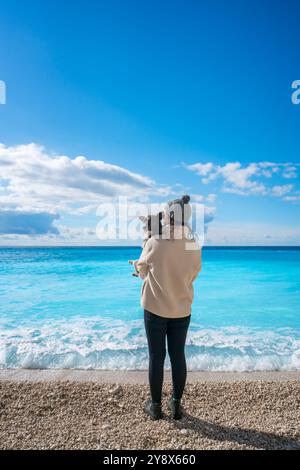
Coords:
169,268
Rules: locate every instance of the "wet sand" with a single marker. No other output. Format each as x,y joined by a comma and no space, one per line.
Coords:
103,410
140,376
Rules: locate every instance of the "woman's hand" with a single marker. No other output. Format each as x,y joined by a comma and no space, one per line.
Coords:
133,263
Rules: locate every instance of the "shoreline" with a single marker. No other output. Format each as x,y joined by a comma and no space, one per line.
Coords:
140,376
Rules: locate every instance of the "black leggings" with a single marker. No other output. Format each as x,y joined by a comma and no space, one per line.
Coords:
157,329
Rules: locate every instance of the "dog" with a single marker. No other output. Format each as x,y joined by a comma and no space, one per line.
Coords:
152,227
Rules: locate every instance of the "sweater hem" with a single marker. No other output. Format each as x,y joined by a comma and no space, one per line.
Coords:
164,314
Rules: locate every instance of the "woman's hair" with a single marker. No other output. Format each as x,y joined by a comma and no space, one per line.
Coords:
179,211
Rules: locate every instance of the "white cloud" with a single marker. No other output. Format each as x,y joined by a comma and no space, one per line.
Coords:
239,178
31,176
246,180
235,177
35,184
209,199
290,172
281,190
201,169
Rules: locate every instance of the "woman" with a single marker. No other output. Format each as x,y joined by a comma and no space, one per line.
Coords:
169,265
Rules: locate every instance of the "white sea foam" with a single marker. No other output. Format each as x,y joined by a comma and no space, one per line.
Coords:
87,343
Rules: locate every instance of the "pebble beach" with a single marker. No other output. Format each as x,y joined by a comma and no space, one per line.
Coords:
64,414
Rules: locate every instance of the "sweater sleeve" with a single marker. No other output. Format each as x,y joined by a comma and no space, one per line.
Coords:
198,265
142,265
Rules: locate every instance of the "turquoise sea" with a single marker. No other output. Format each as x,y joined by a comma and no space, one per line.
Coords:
79,308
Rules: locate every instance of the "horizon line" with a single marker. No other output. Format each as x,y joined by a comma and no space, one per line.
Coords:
139,246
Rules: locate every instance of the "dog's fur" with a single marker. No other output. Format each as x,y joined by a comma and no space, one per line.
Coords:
153,225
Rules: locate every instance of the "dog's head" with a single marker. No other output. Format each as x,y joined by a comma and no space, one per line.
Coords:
152,224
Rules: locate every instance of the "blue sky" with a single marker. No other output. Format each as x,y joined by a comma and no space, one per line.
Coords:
189,96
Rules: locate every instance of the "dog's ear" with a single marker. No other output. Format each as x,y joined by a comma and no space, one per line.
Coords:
143,218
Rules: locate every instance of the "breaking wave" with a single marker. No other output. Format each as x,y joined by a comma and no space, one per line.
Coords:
115,344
